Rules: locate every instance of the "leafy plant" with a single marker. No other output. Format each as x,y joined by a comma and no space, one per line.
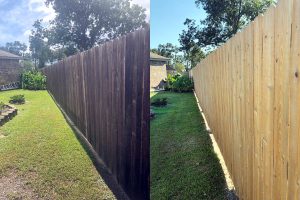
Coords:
171,79
160,102
17,99
33,80
179,83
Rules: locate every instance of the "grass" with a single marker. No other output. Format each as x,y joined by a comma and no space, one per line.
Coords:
183,162
42,149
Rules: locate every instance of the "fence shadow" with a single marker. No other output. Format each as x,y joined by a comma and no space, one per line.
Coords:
231,195
103,171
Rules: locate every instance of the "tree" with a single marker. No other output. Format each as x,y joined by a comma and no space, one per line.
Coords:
15,47
190,56
179,67
224,19
194,55
38,45
167,50
27,65
82,24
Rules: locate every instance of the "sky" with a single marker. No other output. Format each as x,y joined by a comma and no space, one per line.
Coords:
167,18
18,16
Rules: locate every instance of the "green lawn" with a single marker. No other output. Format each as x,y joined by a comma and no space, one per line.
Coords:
183,162
41,152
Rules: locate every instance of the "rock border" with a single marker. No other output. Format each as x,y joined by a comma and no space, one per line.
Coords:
8,114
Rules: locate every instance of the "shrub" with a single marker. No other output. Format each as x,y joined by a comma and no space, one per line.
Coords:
171,79
17,99
179,83
160,102
33,80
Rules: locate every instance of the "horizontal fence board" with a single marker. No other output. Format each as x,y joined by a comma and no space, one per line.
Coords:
249,90
105,92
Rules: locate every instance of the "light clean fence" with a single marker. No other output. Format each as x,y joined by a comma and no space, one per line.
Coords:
249,89
105,91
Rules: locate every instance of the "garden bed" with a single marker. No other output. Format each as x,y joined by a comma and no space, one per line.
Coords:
7,113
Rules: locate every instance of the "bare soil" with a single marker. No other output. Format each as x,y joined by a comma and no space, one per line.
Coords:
13,187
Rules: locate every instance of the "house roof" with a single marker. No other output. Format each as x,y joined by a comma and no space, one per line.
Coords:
154,56
169,67
7,55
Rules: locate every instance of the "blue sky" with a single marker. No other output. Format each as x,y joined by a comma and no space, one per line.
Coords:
18,16
167,18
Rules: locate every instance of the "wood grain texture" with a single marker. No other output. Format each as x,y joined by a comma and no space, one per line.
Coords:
105,91
249,90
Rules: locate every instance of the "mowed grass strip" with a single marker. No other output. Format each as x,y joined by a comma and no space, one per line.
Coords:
44,152
183,162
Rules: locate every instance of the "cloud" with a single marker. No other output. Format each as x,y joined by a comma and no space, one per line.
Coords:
38,6
18,16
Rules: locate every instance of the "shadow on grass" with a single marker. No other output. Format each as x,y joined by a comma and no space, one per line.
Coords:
104,172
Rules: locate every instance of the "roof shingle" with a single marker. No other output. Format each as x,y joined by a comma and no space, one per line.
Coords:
154,56
7,55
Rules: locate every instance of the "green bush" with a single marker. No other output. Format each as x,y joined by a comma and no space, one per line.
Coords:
159,102
17,99
171,79
33,80
178,83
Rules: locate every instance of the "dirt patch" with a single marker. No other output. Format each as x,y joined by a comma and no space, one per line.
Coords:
13,187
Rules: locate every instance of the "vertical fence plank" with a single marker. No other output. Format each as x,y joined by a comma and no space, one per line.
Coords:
283,18
257,60
294,152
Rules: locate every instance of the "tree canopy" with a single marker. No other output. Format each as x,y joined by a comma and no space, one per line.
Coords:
189,58
167,50
224,19
16,47
82,24
40,50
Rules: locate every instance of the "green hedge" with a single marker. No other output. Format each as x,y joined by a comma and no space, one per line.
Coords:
179,83
33,80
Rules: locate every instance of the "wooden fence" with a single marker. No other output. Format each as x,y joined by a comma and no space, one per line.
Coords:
105,91
249,89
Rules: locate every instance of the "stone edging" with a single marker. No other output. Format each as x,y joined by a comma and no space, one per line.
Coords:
8,115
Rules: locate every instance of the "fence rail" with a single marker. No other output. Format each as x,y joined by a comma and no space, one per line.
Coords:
105,91
249,90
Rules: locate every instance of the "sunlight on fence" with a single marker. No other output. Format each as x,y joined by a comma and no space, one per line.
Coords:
250,93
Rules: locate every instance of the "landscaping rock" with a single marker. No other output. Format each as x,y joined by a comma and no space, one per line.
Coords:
7,114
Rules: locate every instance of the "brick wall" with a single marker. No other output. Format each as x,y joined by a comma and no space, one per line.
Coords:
158,73
10,71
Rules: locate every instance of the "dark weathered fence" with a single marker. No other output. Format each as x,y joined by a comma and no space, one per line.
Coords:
105,92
